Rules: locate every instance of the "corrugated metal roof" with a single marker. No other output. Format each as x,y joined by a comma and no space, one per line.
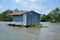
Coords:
20,13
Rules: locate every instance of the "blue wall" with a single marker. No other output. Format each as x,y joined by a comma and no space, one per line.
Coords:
18,18
33,18
27,19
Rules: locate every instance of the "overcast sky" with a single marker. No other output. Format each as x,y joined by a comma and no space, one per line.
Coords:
40,6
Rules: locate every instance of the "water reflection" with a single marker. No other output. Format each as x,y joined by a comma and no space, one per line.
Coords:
33,31
16,33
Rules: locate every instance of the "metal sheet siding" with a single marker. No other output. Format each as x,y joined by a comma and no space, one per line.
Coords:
33,18
24,19
29,19
37,19
18,19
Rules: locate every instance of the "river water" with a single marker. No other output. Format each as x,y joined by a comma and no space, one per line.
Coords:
17,33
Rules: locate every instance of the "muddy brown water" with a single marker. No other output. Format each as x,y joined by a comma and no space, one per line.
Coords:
16,33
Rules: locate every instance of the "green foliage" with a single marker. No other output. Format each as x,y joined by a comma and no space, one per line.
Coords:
37,26
53,16
4,17
16,10
43,18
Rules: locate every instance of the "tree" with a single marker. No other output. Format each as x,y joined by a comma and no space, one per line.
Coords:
43,18
54,15
16,10
4,17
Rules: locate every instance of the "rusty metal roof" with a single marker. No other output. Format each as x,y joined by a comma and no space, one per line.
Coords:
20,13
